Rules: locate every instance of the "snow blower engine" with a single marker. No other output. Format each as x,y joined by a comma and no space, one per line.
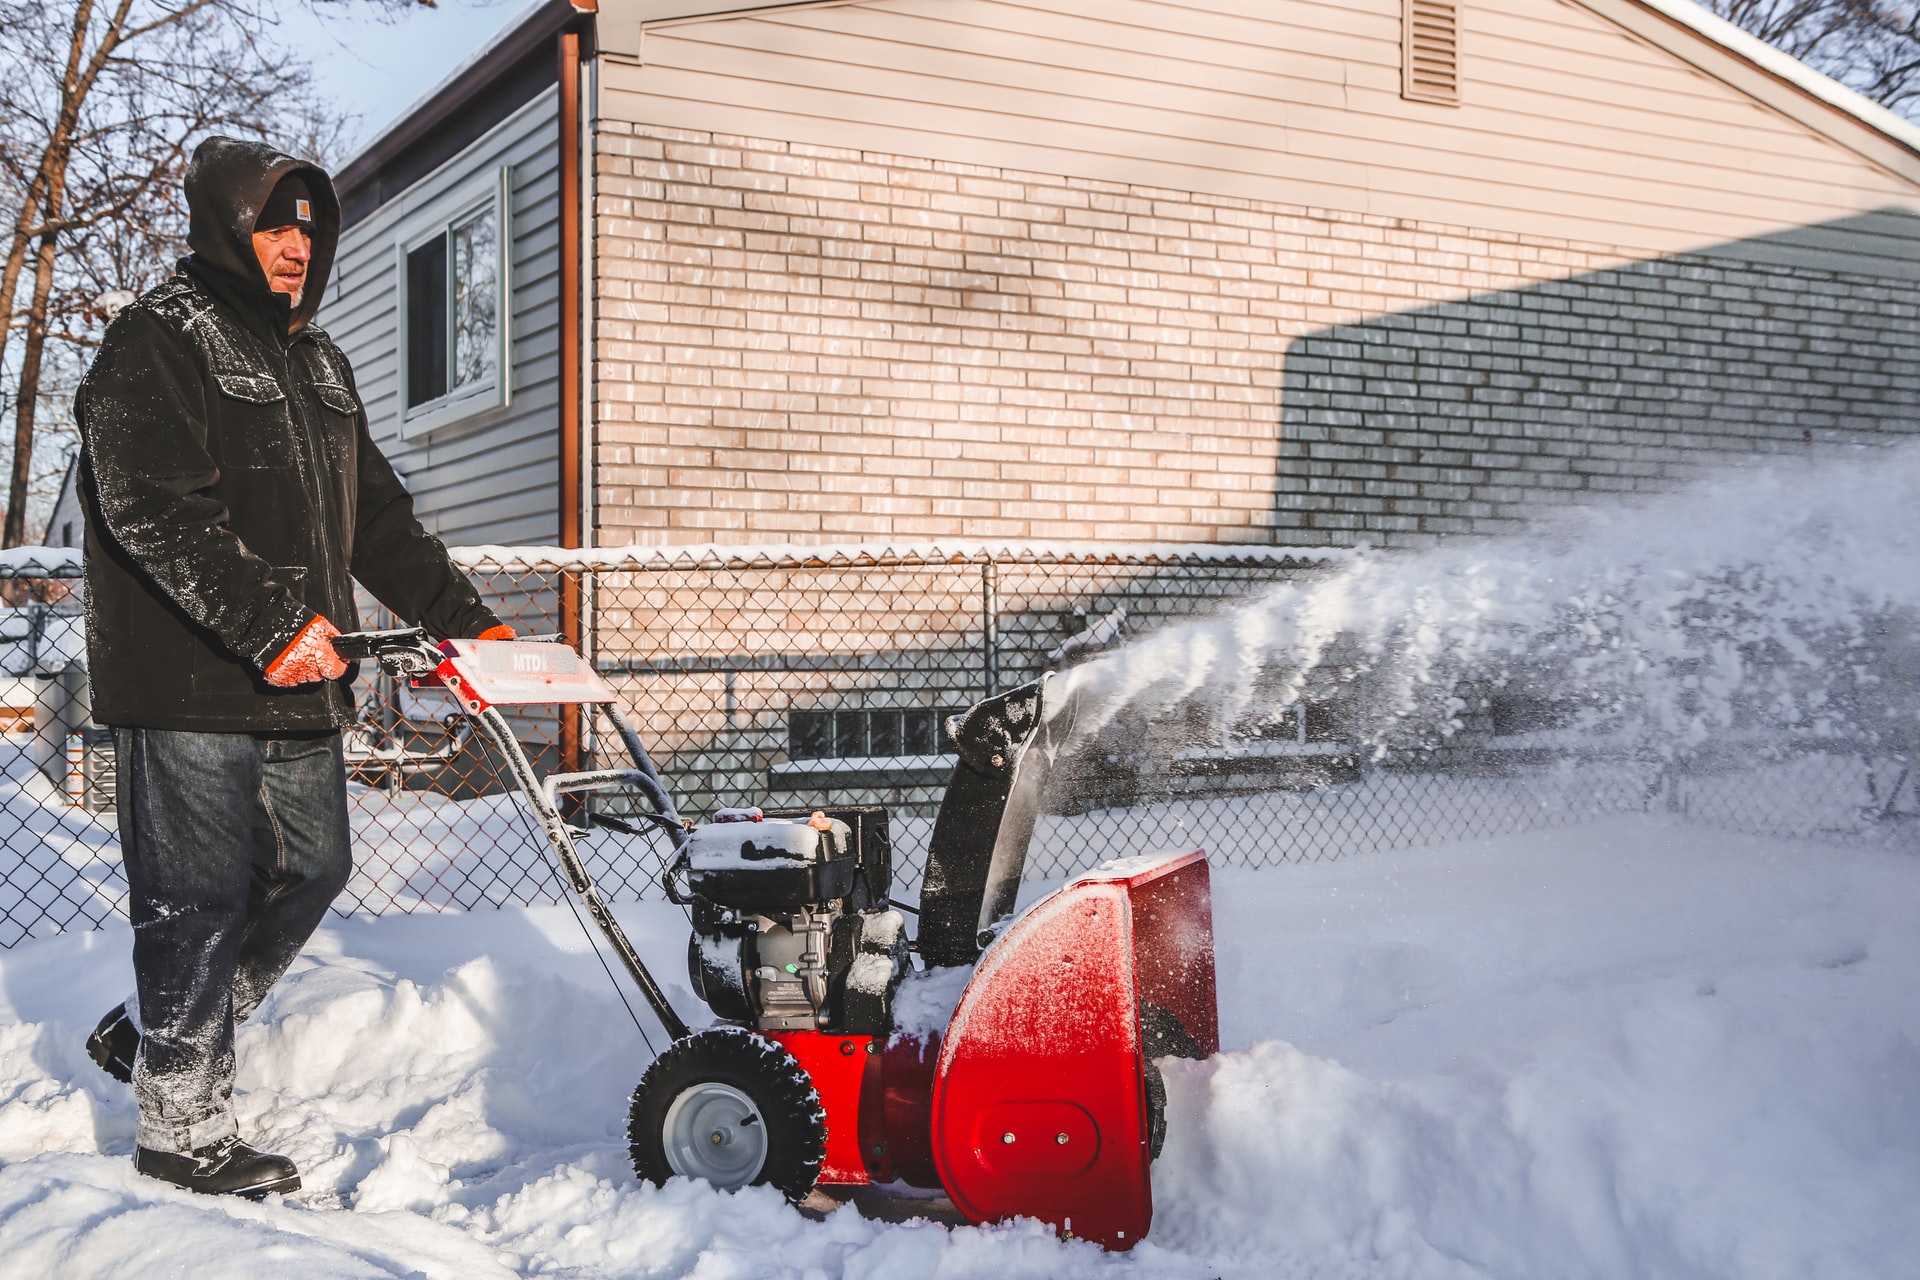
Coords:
1012,1068
792,926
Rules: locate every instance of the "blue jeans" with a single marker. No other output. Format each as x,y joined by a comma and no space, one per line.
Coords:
234,846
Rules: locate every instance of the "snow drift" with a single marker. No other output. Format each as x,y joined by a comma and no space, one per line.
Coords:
1634,1050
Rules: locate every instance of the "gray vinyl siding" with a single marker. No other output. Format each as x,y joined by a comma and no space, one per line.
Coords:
493,478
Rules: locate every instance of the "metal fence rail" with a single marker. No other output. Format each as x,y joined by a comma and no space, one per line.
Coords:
798,678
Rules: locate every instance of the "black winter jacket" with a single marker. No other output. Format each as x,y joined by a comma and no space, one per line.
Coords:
230,486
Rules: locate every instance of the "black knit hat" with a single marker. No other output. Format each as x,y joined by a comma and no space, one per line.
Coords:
290,205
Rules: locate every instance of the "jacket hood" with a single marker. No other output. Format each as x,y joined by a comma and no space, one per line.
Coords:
227,183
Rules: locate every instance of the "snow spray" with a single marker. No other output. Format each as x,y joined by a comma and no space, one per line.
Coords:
1770,605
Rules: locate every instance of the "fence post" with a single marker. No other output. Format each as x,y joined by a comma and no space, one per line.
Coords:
588,623
990,624
570,627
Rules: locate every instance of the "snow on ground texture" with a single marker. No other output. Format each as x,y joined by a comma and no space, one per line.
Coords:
1631,1050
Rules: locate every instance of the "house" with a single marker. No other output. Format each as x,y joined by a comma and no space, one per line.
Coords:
1293,273
1302,272
64,522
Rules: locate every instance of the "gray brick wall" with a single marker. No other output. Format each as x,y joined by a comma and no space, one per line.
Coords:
1471,416
800,343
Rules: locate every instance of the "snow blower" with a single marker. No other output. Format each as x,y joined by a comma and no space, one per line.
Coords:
1039,1097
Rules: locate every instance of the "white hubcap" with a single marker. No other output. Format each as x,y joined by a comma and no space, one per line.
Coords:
714,1131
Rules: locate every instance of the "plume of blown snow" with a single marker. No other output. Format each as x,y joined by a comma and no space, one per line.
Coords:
1775,599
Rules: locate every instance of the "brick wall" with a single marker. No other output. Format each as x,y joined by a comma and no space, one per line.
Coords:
805,344
1470,416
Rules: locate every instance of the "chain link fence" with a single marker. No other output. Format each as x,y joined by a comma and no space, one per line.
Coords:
799,679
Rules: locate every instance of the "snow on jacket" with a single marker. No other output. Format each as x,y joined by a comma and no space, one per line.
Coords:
230,485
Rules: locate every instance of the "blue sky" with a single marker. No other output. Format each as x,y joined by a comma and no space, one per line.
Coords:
375,69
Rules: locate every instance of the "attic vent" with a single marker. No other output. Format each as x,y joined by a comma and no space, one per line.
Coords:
1430,51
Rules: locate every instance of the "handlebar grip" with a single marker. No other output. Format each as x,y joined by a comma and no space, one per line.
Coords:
360,646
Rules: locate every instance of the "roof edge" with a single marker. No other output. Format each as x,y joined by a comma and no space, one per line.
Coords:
529,32
1743,44
541,20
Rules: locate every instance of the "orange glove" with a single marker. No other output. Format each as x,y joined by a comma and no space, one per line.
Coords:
310,657
501,632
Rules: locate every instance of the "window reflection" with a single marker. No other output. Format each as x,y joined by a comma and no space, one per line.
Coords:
476,298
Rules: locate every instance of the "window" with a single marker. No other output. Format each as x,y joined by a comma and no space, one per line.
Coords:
1430,51
868,734
427,322
453,274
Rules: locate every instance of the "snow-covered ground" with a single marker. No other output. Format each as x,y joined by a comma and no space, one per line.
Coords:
1623,1050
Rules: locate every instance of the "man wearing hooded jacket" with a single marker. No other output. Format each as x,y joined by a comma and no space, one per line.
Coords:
231,493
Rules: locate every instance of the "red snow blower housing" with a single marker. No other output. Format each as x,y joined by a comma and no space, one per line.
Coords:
1039,1097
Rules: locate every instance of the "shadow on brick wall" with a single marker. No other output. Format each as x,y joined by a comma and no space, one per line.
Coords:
1472,416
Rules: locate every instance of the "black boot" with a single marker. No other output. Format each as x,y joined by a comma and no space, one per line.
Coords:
114,1043
229,1168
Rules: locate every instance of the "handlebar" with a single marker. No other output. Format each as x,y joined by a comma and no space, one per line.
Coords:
360,646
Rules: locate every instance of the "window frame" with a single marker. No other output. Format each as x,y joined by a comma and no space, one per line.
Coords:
488,190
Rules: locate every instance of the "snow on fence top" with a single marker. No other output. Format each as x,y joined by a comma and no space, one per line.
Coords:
65,562
850,555
40,562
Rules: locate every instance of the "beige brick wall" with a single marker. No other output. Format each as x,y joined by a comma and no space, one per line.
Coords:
797,343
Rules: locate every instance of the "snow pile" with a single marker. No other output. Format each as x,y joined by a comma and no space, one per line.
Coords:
1632,1050
457,1107
1665,1054
1775,601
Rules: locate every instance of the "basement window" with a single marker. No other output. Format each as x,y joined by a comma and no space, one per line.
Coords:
877,733
453,273
1430,51
864,747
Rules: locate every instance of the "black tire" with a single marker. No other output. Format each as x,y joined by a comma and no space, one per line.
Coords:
746,1095
1161,1036
1156,1111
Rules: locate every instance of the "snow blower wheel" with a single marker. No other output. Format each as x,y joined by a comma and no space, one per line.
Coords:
731,1107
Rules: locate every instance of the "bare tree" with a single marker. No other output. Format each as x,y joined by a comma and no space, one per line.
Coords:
101,104
1871,46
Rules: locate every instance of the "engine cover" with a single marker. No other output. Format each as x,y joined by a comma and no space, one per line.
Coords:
792,925
773,865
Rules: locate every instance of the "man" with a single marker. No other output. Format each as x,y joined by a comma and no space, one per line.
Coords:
230,488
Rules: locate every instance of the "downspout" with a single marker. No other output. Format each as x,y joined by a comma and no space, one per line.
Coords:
589,301
572,299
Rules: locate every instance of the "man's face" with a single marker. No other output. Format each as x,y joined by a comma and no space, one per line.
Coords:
284,253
